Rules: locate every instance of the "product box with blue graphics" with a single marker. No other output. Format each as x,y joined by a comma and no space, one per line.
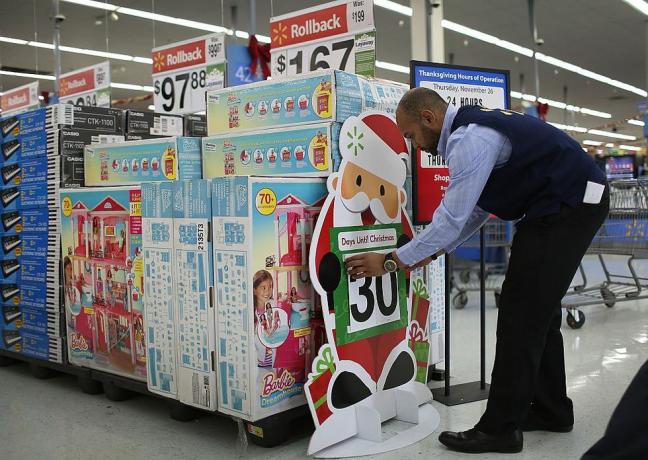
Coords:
29,196
37,296
34,144
31,271
35,170
34,345
30,245
262,229
159,302
36,220
134,162
193,270
308,150
37,321
322,96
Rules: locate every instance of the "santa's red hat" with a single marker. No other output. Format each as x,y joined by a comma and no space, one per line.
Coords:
374,142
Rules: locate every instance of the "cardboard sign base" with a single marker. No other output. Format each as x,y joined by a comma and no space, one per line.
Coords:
358,430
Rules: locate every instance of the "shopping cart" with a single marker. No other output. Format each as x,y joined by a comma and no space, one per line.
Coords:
498,235
625,233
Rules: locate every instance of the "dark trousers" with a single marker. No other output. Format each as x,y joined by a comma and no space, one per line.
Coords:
529,368
626,436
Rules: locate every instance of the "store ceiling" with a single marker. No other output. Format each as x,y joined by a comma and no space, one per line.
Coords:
604,36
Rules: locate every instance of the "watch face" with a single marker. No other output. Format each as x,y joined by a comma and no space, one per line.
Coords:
390,266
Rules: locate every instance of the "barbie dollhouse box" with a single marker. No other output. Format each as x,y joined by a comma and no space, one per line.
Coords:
264,298
152,160
101,245
327,95
307,151
193,272
159,286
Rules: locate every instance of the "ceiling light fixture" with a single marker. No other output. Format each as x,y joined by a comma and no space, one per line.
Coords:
639,5
632,121
577,129
16,41
392,67
27,75
594,143
560,105
609,144
151,107
598,132
393,6
131,86
630,147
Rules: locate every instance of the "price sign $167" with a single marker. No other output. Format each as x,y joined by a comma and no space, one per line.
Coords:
173,88
334,54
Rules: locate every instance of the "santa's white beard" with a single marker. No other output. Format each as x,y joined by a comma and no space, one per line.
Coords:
350,213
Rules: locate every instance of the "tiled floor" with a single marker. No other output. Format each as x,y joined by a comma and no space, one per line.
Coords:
53,420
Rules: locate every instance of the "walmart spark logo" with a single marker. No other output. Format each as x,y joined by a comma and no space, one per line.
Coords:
354,140
279,34
158,61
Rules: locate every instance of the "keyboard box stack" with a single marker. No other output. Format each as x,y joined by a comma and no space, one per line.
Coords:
36,147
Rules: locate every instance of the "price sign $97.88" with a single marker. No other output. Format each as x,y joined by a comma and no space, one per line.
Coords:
178,90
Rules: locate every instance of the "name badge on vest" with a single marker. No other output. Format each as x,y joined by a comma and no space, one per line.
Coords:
593,193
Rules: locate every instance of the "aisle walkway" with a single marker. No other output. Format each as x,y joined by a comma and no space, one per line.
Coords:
53,420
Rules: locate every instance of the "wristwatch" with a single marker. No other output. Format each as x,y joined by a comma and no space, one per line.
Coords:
390,264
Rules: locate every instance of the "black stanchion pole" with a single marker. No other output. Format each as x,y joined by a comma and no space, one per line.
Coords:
482,307
448,273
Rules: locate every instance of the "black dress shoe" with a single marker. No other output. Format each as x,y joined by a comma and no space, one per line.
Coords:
474,441
534,422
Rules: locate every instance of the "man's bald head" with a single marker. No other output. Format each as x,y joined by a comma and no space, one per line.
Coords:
418,99
419,116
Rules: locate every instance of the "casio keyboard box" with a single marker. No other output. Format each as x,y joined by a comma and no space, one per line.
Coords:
33,170
28,196
30,271
154,123
35,345
17,317
36,220
37,245
39,296
195,125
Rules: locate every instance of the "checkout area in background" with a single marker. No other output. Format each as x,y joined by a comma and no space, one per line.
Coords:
620,164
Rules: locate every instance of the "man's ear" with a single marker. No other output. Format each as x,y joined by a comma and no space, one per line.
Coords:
428,118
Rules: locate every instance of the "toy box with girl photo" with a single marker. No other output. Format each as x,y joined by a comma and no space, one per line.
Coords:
101,238
374,366
266,311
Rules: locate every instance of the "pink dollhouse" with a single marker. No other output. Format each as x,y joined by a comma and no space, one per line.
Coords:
294,222
102,263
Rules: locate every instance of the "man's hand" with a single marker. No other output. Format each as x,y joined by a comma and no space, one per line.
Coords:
364,265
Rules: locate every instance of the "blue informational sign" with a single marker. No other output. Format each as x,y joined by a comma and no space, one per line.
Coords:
238,66
460,85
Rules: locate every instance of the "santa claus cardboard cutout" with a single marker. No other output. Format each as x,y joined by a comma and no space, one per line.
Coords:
367,365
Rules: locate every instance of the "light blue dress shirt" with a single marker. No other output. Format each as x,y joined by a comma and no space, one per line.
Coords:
471,153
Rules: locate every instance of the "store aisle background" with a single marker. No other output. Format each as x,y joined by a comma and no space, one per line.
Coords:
52,419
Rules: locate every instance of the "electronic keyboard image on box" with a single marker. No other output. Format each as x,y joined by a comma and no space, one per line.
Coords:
11,338
9,266
8,291
9,172
9,243
9,124
9,148
9,195
11,313
9,219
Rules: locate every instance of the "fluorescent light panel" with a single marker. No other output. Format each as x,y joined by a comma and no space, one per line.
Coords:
27,75
632,121
561,105
630,147
639,5
598,132
392,67
393,6
594,143
609,144
577,129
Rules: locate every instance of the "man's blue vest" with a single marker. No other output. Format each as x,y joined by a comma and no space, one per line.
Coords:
547,168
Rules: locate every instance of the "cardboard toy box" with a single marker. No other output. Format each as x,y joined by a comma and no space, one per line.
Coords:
101,245
326,95
36,220
37,321
159,286
32,145
193,288
30,271
34,345
309,150
173,158
262,229
195,125
29,196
